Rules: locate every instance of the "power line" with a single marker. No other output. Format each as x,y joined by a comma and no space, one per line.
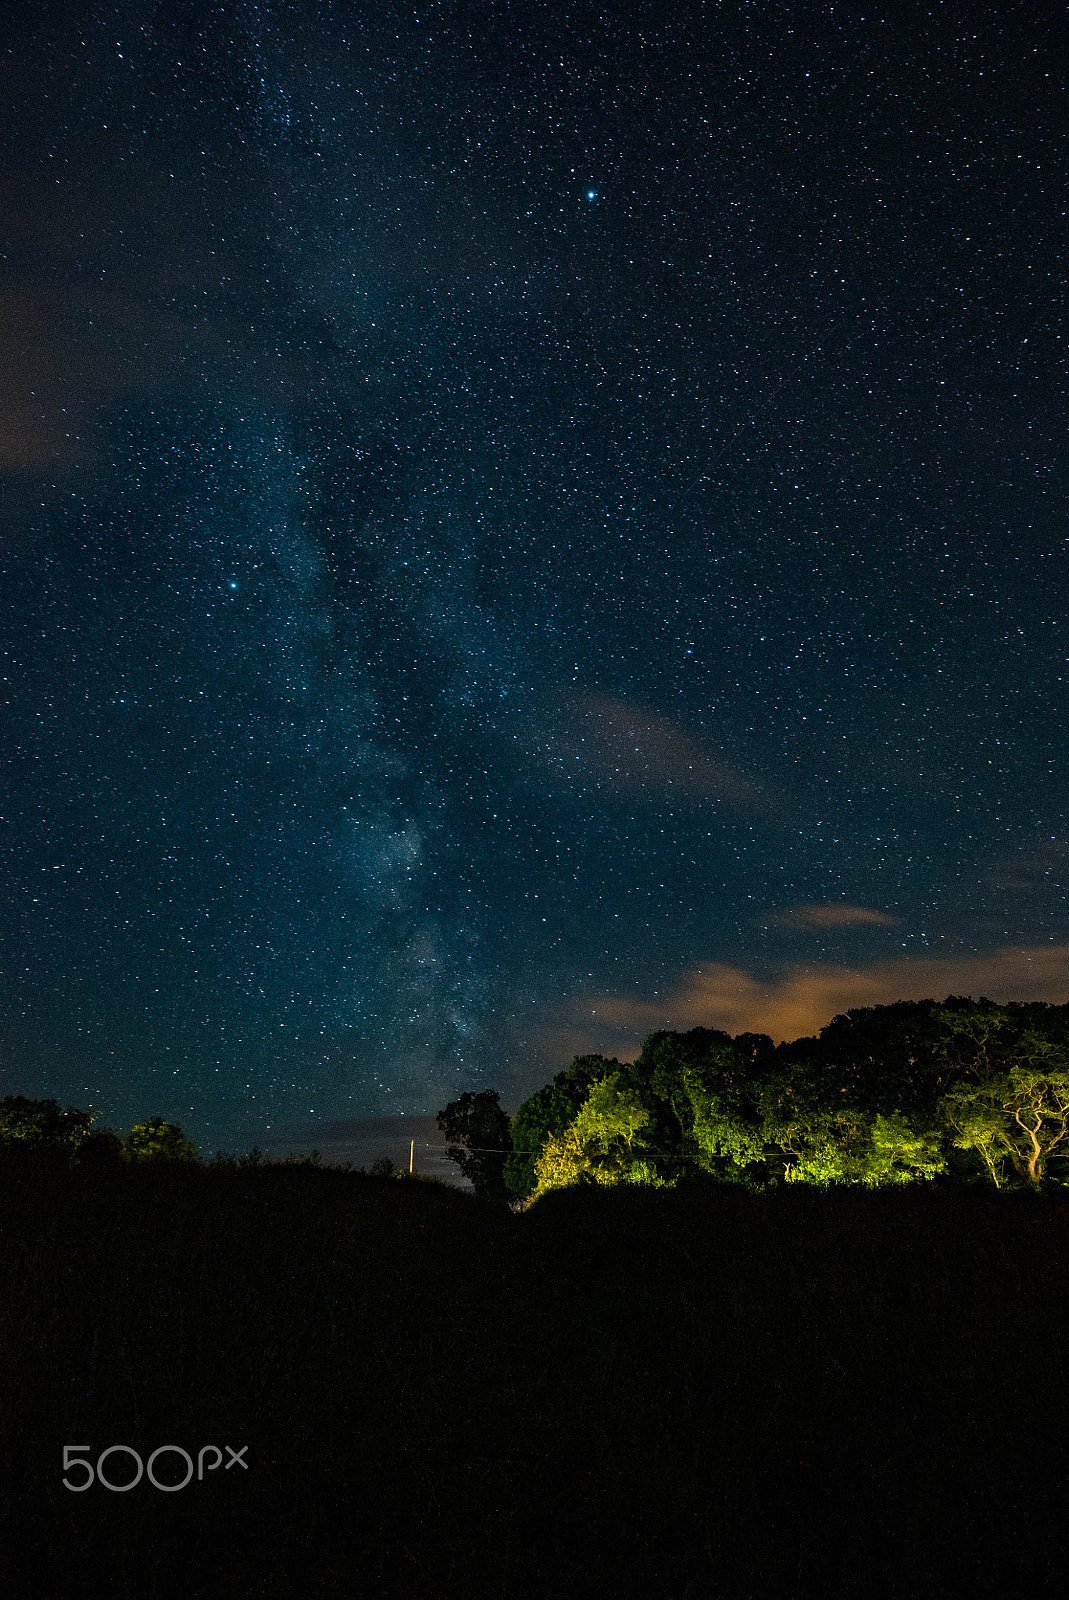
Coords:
489,1150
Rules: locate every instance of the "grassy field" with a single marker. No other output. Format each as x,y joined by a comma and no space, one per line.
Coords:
699,1392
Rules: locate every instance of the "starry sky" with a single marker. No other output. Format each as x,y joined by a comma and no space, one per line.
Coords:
523,524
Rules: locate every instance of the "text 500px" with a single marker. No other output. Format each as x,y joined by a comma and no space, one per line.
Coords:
73,1459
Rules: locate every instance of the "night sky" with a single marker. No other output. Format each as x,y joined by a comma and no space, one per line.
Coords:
522,525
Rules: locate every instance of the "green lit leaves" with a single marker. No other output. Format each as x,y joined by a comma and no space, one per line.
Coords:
157,1140
603,1144
1017,1118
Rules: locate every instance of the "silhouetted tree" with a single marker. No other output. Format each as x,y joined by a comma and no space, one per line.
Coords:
100,1144
481,1141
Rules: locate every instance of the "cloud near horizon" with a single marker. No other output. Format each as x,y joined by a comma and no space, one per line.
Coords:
802,998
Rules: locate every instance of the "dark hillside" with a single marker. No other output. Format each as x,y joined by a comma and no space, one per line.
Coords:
690,1393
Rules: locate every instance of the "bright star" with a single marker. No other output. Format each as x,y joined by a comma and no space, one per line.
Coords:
592,194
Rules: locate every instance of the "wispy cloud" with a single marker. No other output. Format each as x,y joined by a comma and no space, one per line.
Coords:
1034,870
617,745
800,999
829,916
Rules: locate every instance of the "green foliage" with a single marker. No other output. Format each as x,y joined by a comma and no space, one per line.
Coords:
728,1132
885,1096
564,1161
1013,1107
157,1140
680,1109
549,1112
704,1087
899,1153
813,1134
854,1148
42,1122
612,1114
482,1141
601,1145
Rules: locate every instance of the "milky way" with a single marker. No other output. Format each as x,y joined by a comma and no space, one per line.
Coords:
522,527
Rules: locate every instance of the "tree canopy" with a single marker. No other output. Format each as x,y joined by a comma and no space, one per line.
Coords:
885,1095
546,1113
480,1141
157,1140
1010,1099
43,1124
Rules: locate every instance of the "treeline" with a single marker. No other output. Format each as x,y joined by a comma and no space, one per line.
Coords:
44,1124
959,1091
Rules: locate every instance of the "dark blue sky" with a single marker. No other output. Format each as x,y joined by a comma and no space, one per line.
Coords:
522,526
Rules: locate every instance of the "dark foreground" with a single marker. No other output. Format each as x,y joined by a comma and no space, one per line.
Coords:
691,1393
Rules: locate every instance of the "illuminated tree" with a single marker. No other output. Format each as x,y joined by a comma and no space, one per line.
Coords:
605,1144
547,1114
900,1153
612,1116
1015,1114
728,1133
706,1088
564,1161
886,1095
854,1148
157,1140
42,1122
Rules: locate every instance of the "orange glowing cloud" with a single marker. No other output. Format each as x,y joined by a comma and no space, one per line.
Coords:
802,998
628,748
